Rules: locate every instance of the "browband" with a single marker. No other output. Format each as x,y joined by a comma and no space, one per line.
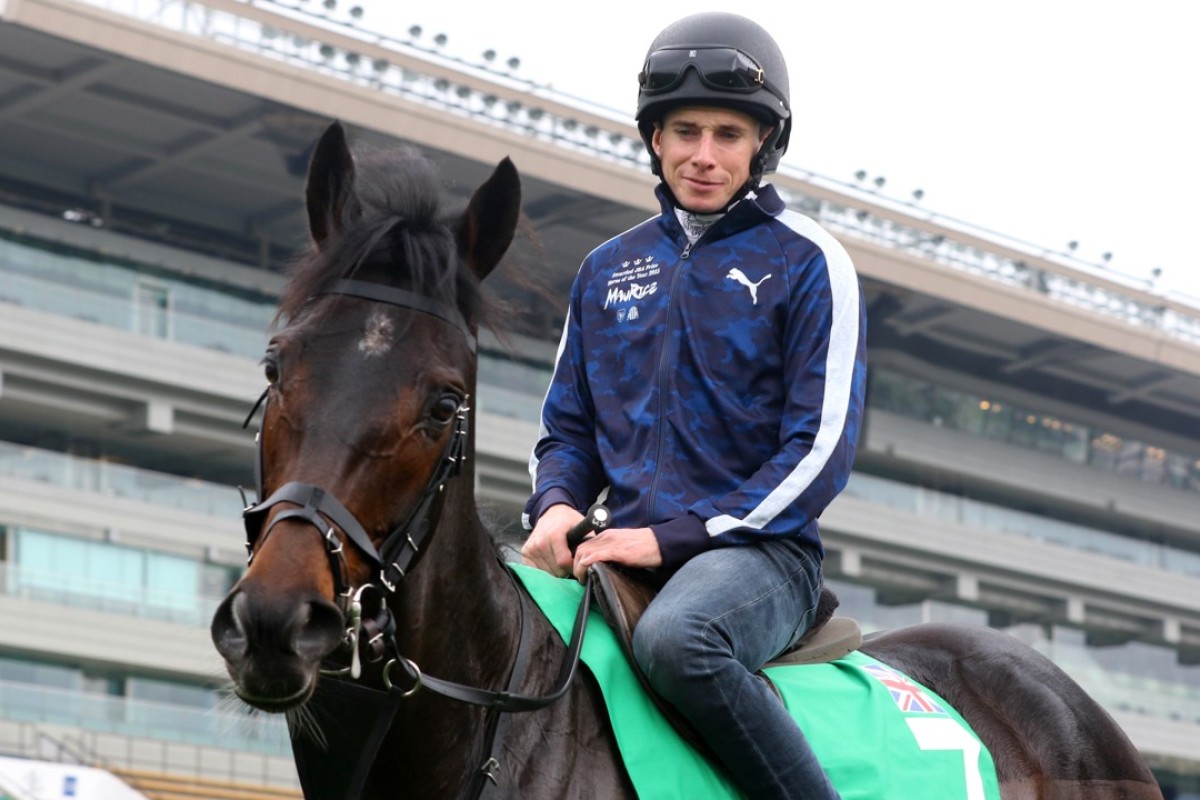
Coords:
405,299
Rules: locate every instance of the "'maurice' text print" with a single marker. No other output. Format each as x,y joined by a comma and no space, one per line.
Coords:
632,280
633,291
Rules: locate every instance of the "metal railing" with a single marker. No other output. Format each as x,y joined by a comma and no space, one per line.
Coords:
116,751
89,289
508,388
1099,293
106,478
978,515
232,730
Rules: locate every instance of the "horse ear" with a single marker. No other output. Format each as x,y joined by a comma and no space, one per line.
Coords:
490,221
329,192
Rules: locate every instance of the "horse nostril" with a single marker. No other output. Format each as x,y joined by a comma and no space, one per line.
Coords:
317,629
228,633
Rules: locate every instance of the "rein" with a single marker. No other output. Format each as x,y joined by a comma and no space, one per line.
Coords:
392,561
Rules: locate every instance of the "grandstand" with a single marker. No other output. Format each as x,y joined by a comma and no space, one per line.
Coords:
1030,460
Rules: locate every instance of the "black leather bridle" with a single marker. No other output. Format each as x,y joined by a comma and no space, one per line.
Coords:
373,637
322,510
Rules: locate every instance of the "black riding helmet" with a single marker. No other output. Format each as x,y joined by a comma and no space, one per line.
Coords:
717,59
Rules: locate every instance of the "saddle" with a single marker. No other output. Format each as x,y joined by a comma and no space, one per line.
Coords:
622,594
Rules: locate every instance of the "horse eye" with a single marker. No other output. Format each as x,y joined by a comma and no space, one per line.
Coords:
271,370
445,408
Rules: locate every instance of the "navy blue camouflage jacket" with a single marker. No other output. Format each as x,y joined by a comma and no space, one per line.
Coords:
715,389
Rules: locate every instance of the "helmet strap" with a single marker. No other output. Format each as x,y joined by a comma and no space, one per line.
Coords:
759,162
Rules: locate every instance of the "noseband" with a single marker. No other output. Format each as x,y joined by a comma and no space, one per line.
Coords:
322,510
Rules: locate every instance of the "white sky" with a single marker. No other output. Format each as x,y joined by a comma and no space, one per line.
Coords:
1045,120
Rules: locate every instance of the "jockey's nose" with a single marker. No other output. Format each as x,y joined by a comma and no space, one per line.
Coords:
703,153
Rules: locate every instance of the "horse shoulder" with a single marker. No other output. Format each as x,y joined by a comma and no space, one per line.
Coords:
568,750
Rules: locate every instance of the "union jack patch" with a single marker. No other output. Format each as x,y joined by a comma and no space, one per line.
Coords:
907,695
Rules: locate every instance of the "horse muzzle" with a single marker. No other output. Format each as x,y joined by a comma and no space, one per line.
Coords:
273,647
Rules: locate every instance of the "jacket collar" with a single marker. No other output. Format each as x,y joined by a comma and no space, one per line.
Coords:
763,204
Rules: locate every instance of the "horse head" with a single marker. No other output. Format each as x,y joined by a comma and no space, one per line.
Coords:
366,414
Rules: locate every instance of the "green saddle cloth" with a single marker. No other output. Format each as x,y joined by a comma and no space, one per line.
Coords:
878,735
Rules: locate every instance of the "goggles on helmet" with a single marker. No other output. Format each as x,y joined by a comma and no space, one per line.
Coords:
723,69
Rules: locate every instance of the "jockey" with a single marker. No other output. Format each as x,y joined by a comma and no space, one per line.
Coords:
710,379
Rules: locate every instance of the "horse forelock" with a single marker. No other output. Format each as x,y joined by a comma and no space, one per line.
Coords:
405,238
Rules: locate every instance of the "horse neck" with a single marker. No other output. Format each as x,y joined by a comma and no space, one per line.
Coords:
456,609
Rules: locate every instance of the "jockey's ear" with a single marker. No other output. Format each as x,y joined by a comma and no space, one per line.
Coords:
656,139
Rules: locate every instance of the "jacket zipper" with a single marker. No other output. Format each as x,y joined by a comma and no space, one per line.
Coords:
662,377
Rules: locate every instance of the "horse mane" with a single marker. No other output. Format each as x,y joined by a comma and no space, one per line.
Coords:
400,189
403,235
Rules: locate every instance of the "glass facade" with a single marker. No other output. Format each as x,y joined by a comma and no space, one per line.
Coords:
118,480
978,515
104,576
511,388
1030,428
85,286
56,568
38,276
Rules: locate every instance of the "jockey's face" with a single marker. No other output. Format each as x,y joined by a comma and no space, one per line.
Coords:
706,153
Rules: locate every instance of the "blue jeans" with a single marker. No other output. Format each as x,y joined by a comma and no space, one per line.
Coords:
721,617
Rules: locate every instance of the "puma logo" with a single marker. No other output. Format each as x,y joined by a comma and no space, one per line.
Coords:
739,276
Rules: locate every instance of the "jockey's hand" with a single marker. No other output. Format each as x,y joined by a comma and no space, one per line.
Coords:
546,548
633,547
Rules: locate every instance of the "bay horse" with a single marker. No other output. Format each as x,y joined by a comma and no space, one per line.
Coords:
366,529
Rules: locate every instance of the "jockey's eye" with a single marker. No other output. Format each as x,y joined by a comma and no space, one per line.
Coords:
445,408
